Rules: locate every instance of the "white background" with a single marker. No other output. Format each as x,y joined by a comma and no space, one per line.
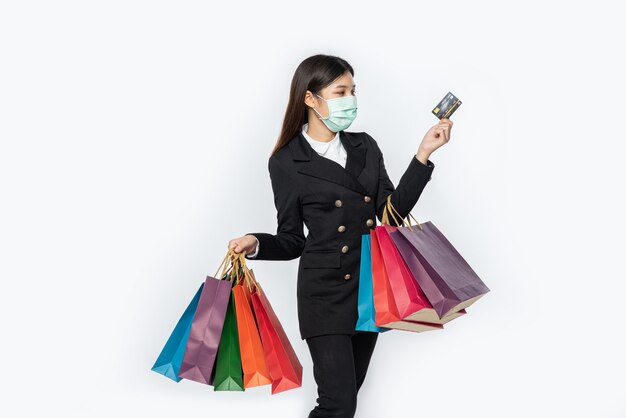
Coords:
135,138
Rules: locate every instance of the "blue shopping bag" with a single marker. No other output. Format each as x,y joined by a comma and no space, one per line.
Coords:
367,314
171,357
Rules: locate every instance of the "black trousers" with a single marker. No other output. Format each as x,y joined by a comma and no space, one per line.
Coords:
340,363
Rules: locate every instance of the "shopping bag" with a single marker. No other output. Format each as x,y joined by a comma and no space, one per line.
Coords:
417,271
228,373
367,314
169,361
447,280
206,330
386,309
411,302
384,305
255,372
283,364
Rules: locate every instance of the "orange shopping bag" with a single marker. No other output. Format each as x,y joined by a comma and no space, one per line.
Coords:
255,372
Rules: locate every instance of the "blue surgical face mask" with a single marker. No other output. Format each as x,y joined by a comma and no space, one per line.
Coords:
341,112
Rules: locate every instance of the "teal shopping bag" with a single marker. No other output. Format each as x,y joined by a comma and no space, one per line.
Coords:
171,357
367,314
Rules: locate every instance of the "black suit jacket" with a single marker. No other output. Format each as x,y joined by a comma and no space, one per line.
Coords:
338,206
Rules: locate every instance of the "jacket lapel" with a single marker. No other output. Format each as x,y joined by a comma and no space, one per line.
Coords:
311,163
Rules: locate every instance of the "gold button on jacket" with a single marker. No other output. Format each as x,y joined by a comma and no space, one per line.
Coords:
307,191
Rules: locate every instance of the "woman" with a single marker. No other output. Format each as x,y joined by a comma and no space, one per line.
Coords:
336,184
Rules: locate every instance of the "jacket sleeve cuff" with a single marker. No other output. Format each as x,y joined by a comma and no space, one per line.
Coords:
261,238
256,251
418,171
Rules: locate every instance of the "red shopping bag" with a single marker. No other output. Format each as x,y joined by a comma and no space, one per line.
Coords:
283,364
384,305
387,314
411,302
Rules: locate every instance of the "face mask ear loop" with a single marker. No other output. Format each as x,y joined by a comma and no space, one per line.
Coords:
320,115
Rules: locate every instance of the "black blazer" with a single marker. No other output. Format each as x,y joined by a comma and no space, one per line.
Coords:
338,206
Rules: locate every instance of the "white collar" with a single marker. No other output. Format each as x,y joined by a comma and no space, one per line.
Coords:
321,147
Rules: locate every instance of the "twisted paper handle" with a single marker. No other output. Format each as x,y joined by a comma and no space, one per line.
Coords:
246,275
240,271
230,267
223,265
391,209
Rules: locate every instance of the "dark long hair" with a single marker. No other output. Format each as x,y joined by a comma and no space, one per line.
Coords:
313,74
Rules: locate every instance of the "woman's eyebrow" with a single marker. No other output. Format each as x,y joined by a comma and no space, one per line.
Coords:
343,85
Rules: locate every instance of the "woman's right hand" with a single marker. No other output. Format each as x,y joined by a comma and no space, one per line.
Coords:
247,244
436,136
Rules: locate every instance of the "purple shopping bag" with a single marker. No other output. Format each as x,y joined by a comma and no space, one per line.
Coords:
206,331
448,281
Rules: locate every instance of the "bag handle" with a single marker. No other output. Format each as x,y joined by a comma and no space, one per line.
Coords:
391,209
248,276
386,210
240,271
226,267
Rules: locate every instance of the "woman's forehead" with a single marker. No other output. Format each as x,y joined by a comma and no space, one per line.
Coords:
345,81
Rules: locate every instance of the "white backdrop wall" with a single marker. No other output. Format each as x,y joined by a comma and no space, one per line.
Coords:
135,138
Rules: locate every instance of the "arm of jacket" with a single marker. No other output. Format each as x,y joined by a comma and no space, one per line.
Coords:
288,242
409,189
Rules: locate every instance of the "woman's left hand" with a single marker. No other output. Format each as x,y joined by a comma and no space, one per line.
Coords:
436,136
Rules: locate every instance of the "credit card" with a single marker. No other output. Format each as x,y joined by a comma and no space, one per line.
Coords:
447,106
